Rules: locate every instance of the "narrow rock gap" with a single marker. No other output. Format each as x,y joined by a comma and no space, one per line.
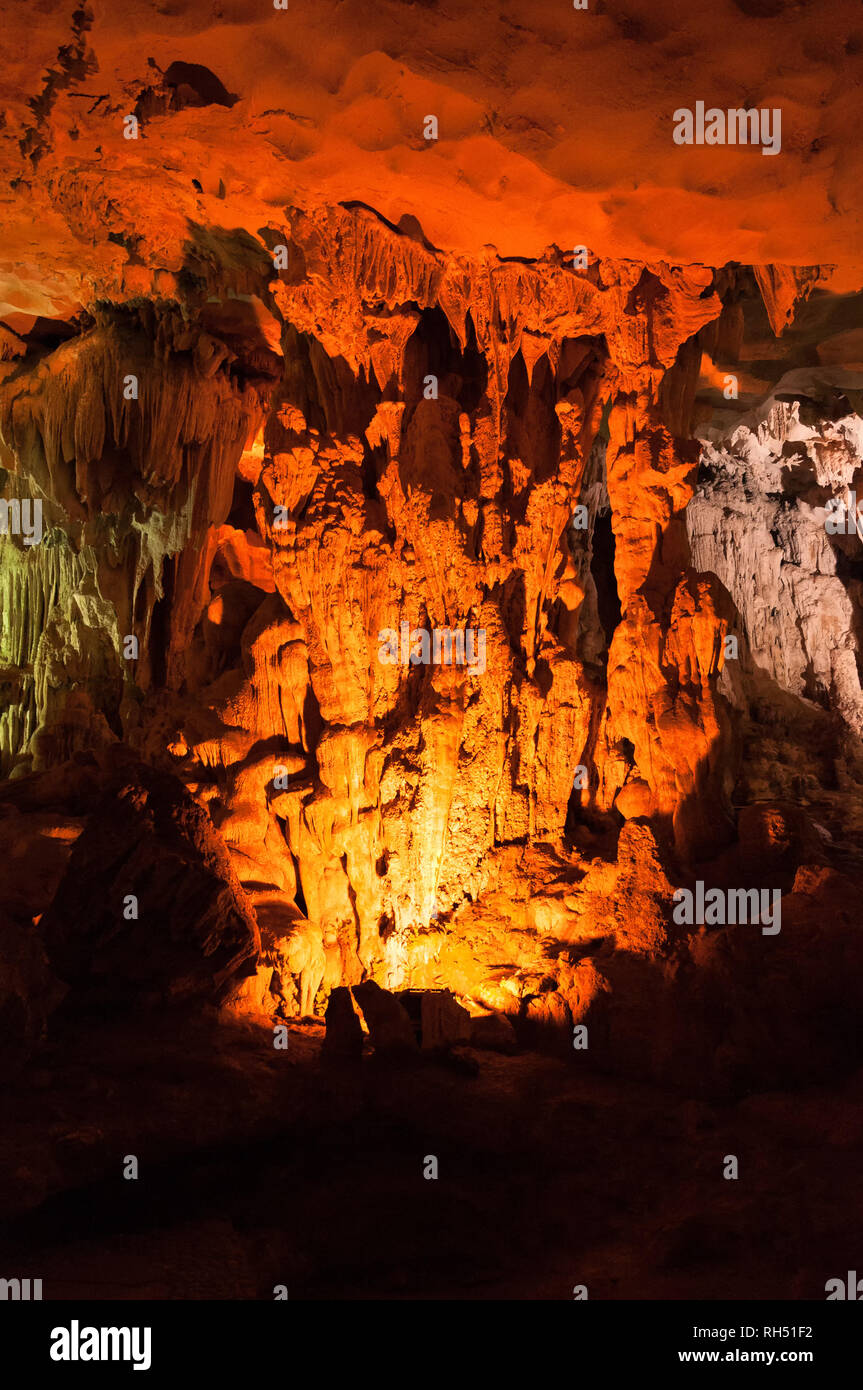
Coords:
602,570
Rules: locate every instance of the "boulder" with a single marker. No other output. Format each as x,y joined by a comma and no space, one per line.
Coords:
444,1022
390,1027
492,1033
344,1037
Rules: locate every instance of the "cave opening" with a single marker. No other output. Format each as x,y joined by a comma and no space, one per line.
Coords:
434,350
192,84
160,629
299,895
242,512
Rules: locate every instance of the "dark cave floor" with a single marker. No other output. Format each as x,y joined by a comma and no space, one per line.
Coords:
260,1168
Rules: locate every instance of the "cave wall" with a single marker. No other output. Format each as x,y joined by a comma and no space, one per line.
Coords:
268,420
265,509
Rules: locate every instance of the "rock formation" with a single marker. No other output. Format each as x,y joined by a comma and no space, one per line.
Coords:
269,420
431,658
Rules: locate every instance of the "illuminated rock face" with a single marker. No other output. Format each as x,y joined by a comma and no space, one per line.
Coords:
273,443
415,458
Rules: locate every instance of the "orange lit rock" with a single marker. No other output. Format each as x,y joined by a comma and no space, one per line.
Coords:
288,381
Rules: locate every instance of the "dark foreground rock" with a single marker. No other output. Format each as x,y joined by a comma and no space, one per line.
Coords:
390,1027
344,1036
29,992
150,904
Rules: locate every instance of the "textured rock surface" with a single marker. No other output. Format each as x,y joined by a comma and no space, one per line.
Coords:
759,522
552,127
292,390
270,417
